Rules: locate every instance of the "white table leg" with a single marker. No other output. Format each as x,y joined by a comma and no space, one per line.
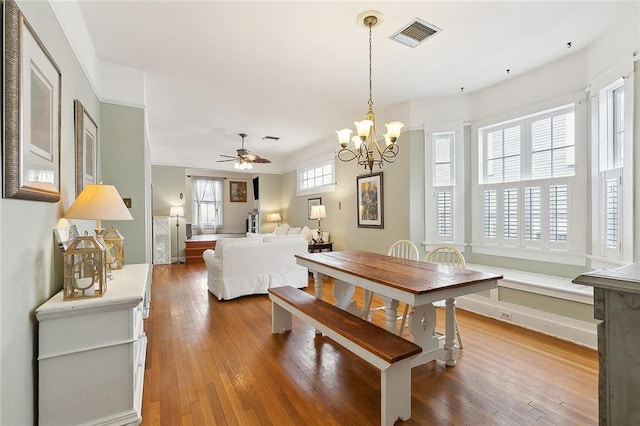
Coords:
450,344
391,313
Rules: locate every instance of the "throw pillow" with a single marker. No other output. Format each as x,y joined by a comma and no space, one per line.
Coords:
306,233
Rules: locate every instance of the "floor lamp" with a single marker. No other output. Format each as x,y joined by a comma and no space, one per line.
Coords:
178,212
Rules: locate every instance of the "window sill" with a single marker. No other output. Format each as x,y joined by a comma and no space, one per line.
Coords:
541,255
547,285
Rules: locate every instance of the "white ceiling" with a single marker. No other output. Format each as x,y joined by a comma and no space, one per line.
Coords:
299,69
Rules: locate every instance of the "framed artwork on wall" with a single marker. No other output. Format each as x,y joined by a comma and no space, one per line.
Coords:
312,202
370,201
86,142
31,160
238,192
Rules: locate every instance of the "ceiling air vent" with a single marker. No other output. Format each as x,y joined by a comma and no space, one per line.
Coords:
415,33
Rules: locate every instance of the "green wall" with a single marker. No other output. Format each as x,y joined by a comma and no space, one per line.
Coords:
30,261
122,157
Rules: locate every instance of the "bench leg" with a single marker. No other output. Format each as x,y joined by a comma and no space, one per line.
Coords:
280,318
395,390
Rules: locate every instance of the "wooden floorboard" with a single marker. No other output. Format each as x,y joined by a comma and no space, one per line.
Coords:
213,362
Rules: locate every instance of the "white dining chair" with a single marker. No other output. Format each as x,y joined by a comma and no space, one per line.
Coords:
449,256
404,249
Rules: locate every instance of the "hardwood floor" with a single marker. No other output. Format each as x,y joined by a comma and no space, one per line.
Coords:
213,362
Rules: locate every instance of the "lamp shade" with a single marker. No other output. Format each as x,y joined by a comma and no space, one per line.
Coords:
273,217
318,212
176,211
99,202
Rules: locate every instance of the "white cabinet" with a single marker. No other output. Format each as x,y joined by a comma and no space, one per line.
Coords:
161,240
92,353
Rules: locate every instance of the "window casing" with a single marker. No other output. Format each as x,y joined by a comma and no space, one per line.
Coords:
526,172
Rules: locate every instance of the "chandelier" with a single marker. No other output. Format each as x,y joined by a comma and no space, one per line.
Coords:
365,148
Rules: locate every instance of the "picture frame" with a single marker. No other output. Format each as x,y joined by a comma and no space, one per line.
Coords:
86,145
369,193
238,192
32,113
312,202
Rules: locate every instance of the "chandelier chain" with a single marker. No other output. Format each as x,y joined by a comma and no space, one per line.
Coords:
370,69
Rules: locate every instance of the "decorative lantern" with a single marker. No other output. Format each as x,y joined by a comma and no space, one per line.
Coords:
85,272
114,244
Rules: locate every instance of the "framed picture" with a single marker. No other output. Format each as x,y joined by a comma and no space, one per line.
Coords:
238,192
31,160
312,202
370,205
86,141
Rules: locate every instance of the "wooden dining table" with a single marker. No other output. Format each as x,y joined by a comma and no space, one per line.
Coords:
395,280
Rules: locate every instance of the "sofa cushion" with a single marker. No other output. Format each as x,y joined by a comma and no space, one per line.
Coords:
294,231
226,242
281,230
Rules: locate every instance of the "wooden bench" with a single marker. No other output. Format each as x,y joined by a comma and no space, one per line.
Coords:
381,348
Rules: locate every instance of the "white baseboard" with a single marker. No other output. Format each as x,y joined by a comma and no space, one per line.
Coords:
576,331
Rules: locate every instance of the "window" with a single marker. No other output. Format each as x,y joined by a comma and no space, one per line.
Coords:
611,119
444,200
316,178
526,169
443,178
207,203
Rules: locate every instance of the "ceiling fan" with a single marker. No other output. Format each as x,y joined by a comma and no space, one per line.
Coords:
243,159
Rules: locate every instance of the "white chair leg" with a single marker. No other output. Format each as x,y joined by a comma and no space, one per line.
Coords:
458,334
404,319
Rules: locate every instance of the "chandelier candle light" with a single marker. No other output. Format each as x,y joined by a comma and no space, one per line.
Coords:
365,146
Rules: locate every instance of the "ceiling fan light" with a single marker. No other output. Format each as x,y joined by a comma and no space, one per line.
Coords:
343,136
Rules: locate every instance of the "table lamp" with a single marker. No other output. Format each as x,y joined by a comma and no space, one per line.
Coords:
178,212
99,202
274,217
319,212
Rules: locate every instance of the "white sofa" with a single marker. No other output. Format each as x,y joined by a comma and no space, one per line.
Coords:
244,266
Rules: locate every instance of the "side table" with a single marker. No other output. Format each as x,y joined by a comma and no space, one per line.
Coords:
320,247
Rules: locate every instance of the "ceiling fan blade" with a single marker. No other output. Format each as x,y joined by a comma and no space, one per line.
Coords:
222,161
250,157
228,156
261,160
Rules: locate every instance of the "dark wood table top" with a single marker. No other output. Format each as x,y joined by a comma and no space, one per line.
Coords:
408,275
